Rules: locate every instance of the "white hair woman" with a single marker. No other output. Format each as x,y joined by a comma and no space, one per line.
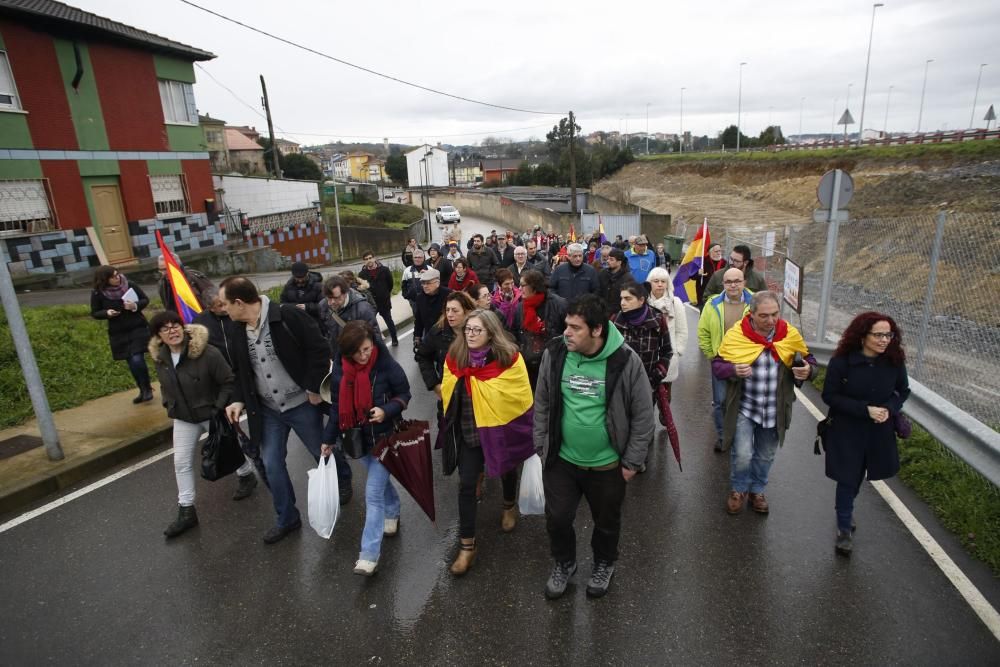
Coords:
661,297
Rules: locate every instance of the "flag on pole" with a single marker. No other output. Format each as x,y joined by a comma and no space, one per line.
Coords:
572,233
600,228
691,265
184,298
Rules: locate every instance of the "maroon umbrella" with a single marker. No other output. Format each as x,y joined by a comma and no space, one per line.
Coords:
406,453
667,419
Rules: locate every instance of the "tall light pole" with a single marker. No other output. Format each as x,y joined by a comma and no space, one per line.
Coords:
885,123
868,61
802,104
739,108
681,142
975,98
847,108
923,89
647,128
833,119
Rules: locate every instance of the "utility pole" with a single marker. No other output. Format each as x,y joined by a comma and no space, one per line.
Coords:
270,129
572,160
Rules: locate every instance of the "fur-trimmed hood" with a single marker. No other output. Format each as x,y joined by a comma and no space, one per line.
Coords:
196,340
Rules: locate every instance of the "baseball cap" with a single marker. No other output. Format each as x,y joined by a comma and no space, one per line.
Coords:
429,275
299,269
641,238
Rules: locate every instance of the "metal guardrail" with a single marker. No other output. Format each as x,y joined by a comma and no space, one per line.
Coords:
965,436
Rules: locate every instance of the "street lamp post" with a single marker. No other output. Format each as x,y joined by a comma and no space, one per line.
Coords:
833,118
739,108
923,89
868,60
802,104
885,123
681,142
847,108
975,98
647,128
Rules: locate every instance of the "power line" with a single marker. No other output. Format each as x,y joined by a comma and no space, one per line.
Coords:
373,135
367,70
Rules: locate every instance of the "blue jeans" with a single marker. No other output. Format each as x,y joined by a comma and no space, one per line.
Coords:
718,399
307,422
381,503
751,456
846,493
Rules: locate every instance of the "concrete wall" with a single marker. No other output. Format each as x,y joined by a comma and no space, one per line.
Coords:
380,240
304,242
266,196
511,214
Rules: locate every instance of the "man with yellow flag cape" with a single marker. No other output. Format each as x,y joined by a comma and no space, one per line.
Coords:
762,358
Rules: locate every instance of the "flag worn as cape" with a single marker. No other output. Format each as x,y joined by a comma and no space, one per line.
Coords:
503,408
691,265
739,347
184,298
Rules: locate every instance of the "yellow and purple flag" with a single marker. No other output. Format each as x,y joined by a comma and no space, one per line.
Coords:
600,228
691,265
184,298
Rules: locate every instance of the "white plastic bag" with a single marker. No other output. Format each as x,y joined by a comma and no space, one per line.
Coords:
531,499
324,497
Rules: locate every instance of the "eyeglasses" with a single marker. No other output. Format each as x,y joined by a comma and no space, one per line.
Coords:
736,260
473,331
173,326
732,282
884,335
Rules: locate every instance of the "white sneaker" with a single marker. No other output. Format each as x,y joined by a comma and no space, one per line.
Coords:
391,527
366,568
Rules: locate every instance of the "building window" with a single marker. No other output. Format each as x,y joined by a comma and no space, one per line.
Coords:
25,207
169,198
213,136
8,91
177,99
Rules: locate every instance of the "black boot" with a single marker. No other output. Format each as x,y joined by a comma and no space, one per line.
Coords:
187,517
247,484
145,394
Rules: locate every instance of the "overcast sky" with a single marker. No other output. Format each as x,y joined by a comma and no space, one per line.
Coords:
604,60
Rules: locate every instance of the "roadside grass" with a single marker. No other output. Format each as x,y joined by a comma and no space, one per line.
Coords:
73,356
987,149
963,501
363,209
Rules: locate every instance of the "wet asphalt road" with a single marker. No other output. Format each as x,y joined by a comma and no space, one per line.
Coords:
94,583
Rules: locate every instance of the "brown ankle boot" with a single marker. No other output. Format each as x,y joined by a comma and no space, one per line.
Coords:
466,557
509,518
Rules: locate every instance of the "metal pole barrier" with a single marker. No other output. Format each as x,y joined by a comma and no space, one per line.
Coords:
32,378
831,251
929,299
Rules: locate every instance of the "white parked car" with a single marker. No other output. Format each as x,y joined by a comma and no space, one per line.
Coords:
447,215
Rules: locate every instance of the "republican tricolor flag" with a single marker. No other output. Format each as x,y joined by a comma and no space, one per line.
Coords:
184,298
691,265
600,228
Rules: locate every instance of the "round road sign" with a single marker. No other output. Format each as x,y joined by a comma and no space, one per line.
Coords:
824,192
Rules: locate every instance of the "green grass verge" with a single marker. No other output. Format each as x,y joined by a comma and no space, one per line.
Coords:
73,356
988,149
964,502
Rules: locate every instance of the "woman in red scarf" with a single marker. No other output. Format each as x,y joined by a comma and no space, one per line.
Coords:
461,275
540,317
368,391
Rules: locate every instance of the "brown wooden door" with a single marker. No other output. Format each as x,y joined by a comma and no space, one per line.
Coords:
111,223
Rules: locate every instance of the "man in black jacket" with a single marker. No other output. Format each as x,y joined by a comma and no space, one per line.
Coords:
379,277
483,261
574,278
280,358
612,278
430,304
221,329
304,290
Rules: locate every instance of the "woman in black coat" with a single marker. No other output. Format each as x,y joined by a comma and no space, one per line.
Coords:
866,385
434,345
196,383
128,330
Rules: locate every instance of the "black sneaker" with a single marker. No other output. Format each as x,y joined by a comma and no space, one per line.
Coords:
278,533
247,484
561,574
844,544
600,578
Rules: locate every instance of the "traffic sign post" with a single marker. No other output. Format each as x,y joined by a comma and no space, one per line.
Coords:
835,189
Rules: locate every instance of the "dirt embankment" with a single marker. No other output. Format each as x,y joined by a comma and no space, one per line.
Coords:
769,193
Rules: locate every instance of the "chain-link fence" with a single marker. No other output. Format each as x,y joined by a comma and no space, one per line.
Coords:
938,276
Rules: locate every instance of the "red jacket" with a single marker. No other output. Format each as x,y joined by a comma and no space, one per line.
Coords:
455,285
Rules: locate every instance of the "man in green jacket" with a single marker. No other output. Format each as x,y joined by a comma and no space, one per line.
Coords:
593,425
719,315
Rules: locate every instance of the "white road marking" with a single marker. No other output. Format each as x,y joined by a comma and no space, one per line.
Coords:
984,610
28,516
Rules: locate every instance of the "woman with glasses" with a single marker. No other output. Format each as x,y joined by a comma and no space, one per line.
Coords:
711,262
866,385
196,383
120,303
487,421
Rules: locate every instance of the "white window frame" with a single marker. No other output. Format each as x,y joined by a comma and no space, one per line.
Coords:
177,102
26,206
15,100
170,200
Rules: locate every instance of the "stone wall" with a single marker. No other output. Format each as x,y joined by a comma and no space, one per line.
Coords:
297,243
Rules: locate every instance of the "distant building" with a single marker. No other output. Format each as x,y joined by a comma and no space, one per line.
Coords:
499,171
427,165
245,155
214,131
249,132
359,166
287,147
467,172
100,143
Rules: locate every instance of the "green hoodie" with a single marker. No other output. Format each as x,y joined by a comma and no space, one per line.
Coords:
585,439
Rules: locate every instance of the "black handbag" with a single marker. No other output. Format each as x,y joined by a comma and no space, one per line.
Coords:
822,427
221,455
352,443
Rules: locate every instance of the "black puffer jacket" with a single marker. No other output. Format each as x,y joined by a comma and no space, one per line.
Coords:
309,294
431,352
202,382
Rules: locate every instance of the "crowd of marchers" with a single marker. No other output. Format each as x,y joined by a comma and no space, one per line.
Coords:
530,345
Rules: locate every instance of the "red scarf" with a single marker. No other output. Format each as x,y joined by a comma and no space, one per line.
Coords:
780,331
356,391
532,322
490,371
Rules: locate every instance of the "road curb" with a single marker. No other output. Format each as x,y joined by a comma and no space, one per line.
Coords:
44,485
